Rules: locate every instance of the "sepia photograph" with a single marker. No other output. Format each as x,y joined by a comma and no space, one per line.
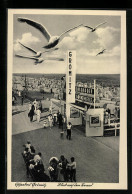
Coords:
67,99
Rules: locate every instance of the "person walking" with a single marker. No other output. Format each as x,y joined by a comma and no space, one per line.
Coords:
64,123
30,106
55,119
50,120
63,167
60,121
69,126
58,113
35,105
40,106
31,113
38,112
22,99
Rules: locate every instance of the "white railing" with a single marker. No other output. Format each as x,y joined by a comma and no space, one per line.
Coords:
116,126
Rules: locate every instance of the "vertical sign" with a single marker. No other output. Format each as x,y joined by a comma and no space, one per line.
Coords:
70,81
71,77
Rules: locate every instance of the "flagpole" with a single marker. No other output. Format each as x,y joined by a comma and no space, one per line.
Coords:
94,91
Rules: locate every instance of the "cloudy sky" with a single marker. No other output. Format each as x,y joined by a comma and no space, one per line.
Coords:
86,43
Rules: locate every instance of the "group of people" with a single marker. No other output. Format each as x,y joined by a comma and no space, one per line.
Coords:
60,120
34,164
108,114
62,170
56,119
35,108
59,169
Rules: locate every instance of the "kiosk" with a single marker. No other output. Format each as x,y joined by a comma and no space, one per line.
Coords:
94,122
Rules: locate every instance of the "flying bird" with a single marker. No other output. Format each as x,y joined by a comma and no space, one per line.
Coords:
93,29
101,52
37,53
40,60
52,40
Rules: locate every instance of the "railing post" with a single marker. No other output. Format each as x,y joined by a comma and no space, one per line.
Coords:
115,129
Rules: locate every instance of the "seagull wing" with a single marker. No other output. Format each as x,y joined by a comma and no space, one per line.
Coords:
103,50
34,58
38,26
88,27
50,50
98,53
71,29
54,58
100,25
28,48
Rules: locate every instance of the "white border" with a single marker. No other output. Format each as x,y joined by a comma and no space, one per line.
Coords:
123,82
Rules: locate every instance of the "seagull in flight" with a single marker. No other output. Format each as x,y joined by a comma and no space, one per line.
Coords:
95,28
37,53
52,40
40,60
101,52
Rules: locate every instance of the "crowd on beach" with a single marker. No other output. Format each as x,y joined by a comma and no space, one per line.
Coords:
59,169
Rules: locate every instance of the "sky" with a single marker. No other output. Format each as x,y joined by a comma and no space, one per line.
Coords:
86,43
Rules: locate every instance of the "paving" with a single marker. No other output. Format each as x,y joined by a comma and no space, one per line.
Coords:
97,157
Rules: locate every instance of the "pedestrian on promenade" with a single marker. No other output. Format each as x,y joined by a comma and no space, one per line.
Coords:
50,109
63,167
72,166
38,112
58,117
60,121
106,117
50,119
30,106
45,123
69,126
19,93
40,106
54,119
13,100
31,113
64,123
28,145
22,99
53,169
35,105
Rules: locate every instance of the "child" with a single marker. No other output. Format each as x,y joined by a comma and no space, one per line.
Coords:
45,124
50,118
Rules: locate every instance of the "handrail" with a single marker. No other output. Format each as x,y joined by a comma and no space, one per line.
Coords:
115,128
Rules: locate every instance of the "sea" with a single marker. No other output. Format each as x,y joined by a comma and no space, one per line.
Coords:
107,80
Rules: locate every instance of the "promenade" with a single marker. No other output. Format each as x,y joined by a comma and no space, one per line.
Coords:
97,157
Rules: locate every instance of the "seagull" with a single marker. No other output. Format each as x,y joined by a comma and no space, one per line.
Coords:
52,40
37,53
101,52
93,29
40,60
